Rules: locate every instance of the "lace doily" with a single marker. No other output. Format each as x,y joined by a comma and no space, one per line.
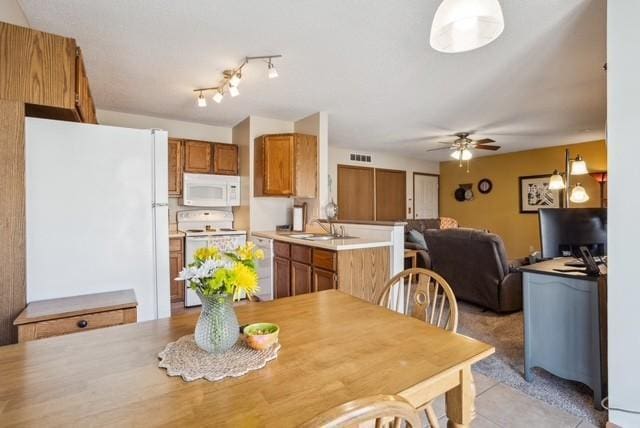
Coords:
184,358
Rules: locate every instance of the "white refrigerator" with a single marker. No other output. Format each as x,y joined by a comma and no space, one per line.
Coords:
97,212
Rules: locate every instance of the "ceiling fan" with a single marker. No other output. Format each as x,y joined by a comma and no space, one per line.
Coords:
462,146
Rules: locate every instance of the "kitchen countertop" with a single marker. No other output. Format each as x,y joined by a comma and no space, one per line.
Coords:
333,244
174,233
371,222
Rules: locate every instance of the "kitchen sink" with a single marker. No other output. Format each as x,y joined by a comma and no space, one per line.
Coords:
327,237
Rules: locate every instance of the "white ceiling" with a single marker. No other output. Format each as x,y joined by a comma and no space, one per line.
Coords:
367,63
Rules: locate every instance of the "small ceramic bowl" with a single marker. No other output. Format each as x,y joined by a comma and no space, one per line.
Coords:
261,335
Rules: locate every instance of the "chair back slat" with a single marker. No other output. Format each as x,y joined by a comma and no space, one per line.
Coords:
427,297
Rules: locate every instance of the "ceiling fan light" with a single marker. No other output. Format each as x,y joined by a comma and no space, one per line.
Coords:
464,25
579,166
556,182
218,96
578,194
465,154
233,90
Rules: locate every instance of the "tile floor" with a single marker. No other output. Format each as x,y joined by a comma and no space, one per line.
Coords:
500,406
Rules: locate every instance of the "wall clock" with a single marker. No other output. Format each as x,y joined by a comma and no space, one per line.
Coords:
485,185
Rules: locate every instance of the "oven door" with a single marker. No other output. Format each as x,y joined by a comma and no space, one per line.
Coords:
203,190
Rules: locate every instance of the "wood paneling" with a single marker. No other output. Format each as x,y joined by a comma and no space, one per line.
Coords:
37,67
12,212
356,193
349,349
300,278
225,159
324,279
306,158
391,194
363,273
176,263
282,277
175,167
197,157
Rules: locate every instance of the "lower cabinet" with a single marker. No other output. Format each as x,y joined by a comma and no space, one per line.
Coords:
176,263
299,269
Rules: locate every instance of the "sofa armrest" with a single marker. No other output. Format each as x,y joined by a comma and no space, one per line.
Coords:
511,292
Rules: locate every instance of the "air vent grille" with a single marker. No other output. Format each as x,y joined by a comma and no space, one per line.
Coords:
359,157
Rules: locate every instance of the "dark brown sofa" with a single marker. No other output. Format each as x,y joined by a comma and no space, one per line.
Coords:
424,261
475,264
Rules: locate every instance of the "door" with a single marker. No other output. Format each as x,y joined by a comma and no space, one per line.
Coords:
281,277
323,280
225,159
197,157
391,195
426,189
355,193
175,167
278,158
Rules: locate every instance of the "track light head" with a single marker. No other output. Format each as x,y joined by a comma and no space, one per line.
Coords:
233,90
235,79
218,96
202,101
272,73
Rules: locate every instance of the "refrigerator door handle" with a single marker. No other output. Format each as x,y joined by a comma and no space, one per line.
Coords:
159,204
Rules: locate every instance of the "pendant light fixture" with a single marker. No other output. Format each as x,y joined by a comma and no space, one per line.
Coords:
464,25
463,154
232,78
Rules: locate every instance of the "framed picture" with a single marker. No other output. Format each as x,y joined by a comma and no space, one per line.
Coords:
535,194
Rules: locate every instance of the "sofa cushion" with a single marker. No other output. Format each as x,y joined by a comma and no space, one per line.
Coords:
417,238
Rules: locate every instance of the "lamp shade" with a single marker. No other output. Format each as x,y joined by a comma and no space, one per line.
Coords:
579,166
464,25
464,153
556,182
578,194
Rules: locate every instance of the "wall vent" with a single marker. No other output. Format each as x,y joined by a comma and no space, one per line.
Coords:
359,157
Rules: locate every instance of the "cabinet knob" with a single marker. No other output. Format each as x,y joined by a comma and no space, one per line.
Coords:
83,323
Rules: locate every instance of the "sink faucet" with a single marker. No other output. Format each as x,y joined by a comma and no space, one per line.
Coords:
321,223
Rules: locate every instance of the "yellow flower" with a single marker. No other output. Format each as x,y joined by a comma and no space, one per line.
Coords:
203,254
259,254
245,278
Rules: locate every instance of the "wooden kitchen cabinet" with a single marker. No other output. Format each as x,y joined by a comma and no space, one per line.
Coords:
175,167
286,165
84,100
282,277
176,263
197,156
324,280
225,159
300,278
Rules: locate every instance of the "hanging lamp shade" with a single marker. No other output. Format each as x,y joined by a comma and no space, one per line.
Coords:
579,166
556,182
464,25
578,194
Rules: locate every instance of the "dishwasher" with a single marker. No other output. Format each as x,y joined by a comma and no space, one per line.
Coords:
265,267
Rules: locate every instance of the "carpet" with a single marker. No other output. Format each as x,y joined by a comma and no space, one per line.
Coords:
506,334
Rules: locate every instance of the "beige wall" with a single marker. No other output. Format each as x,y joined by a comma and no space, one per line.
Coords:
11,12
340,156
499,210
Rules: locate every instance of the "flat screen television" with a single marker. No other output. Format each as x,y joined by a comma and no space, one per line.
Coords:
564,230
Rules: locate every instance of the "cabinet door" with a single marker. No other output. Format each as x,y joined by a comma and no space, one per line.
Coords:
197,157
324,280
84,100
225,159
176,263
279,165
175,167
306,170
282,277
391,195
300,278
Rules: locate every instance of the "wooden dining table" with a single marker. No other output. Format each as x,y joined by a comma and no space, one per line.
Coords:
335,348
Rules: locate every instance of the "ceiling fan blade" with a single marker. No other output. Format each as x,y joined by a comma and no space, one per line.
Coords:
443,142
439,148
494,148
485,141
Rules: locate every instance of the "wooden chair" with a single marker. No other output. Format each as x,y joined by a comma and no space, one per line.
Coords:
383,410
428,297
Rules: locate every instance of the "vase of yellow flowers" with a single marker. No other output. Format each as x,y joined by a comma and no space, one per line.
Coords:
218,279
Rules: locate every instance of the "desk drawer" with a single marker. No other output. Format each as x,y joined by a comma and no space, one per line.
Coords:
60,326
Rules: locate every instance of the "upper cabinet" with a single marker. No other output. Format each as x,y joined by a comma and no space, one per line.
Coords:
286,165
197,157
175,167
225,159
46,72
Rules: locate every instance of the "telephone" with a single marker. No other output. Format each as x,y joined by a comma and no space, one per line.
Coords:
591,267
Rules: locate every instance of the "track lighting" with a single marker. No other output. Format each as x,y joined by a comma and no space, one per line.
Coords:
202,101
272,73
232,78
218,96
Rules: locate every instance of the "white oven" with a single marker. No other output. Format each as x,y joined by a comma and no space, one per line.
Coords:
208,190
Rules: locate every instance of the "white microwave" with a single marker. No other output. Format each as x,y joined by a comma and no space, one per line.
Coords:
208,190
